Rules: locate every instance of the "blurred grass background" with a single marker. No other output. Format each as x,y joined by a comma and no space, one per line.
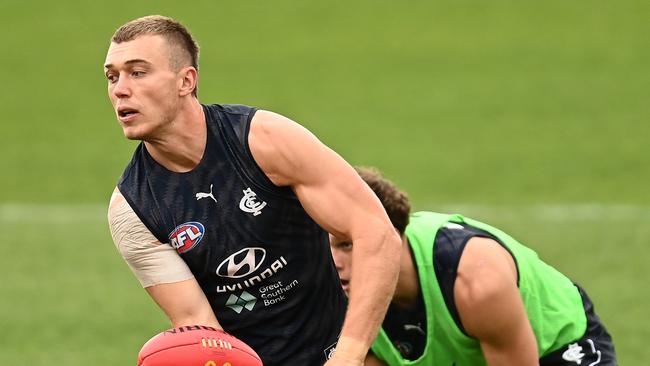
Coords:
532,116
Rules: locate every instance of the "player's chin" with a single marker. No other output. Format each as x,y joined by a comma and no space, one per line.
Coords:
134,132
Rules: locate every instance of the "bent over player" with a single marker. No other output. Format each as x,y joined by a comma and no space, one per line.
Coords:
221,211
469,294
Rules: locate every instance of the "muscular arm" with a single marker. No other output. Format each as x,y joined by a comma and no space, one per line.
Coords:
334,195
159,269
490,306
184,303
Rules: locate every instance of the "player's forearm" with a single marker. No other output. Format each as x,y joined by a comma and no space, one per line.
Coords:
184,304
376,266
206,318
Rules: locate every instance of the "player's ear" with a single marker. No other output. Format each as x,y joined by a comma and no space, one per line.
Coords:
188,77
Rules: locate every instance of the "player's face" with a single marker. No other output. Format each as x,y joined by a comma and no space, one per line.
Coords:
342,254
142,86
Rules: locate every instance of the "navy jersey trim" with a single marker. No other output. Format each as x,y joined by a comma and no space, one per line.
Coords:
236,141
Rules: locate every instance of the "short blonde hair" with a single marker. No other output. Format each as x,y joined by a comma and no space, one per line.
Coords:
185,48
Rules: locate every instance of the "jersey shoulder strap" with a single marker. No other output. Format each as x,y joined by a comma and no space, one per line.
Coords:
232,122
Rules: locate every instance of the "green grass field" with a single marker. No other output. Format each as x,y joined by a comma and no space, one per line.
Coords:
532,116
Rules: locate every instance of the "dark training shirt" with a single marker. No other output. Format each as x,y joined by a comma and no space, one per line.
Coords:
263,263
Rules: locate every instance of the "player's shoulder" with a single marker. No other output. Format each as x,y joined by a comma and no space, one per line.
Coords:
124,224
116,200
274,129
120,211
269,119
485,271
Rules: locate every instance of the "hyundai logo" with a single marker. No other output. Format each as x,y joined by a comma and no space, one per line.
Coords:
242,263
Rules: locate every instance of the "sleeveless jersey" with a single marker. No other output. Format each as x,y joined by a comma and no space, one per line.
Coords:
552,302
263,263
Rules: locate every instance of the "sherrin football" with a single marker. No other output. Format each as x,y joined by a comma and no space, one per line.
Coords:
196,345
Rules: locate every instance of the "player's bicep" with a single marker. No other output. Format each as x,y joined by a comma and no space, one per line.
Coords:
338,199
329,189
152,262
490,306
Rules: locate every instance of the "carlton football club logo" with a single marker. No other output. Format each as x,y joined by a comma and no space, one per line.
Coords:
249,203
186,236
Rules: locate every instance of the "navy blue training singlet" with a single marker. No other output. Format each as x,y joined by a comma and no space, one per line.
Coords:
263,263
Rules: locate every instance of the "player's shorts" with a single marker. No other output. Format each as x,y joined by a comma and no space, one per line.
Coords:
594,348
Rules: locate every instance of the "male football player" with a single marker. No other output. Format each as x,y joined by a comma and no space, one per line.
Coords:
469,294
222,211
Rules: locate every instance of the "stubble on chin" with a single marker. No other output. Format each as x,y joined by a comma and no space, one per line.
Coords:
133,134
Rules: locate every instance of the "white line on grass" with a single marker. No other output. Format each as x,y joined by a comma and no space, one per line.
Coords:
52,213
67,213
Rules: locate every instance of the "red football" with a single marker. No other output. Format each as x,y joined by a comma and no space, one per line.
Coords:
196,345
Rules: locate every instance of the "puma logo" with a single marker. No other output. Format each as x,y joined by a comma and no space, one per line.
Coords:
206,195
417,328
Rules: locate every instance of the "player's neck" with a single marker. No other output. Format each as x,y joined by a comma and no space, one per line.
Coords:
180,145
408,283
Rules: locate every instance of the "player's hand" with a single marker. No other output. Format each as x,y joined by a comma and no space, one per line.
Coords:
349,352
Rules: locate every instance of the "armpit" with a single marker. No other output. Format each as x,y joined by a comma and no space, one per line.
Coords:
151,261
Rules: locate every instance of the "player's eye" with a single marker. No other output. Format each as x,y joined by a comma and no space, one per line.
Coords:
112,78
347,246
137,73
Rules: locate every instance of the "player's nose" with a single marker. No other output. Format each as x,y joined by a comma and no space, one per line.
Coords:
122,88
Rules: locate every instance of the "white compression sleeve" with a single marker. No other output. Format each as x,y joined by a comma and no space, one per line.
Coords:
151,261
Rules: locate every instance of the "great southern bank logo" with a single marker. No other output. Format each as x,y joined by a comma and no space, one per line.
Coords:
242,263
186,236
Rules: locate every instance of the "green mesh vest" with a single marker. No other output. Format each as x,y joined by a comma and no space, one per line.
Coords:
552,302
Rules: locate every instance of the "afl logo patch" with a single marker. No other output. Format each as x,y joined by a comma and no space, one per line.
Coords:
186,236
